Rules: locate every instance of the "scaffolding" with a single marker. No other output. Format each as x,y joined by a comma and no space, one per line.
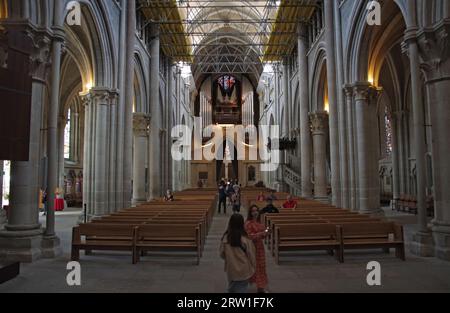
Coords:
225,36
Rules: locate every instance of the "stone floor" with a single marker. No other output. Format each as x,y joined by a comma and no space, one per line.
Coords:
308,272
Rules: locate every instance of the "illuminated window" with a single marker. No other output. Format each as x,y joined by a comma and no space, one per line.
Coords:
227,83
6,182
388,126
67,135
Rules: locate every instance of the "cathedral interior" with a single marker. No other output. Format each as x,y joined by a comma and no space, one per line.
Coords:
94,94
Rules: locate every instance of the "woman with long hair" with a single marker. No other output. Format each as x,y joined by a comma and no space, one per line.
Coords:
257,232
238,251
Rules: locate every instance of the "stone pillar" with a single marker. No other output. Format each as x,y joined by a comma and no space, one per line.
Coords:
332,98
129,93
51,240
99,104
352,152
61,128
305,134
286,117
319,126
434,43
141,123
21,240
422,244
154,162
170,85
366,118
395,157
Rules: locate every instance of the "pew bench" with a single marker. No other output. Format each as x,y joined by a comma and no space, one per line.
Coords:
107,237
157,237
311,237
383,235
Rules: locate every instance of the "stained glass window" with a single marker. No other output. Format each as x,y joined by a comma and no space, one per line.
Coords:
227,82
388,125
67,135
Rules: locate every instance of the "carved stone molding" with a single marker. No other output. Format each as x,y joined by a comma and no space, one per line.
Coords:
434,44
141,124
319,123
364,91
100,96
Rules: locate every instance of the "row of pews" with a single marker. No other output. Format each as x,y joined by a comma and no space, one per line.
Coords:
180,225
318,226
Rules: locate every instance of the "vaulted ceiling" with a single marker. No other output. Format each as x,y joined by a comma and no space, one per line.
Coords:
233,37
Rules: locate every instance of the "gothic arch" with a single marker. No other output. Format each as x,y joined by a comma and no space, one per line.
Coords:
319,81
94,41
369,45
140,92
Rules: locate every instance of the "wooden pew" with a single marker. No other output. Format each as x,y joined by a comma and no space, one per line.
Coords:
156,237
308,237
384,235
108,237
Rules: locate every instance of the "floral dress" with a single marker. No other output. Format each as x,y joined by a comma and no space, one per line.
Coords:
255,231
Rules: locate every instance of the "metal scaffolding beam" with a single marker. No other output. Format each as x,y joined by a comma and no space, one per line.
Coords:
224,36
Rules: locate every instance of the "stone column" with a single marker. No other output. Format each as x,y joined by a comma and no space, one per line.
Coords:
422,244
332,98
305,131
366,118
286,117
99,104
61,128
21,240
129,93
52,124
352,152
141,124
395,157
154,162
434,43
319,126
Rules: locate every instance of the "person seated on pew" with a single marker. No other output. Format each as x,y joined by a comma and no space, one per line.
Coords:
261,197
270,208
272,196
169,196
290,203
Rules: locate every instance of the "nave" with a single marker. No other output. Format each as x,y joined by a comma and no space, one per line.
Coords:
106,272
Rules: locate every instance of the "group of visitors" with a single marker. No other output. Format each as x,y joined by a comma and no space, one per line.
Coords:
242,246
231,191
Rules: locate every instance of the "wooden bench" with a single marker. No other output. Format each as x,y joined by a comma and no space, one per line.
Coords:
308,237
384,235
157,237
109,237
9,271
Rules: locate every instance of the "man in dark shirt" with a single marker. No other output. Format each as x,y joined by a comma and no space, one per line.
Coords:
222,197
270,208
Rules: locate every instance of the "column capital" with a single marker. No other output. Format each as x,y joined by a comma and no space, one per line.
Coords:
365,91
319,123
141,124
434,44
100,95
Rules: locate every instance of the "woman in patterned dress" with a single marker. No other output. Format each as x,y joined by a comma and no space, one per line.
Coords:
257,232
